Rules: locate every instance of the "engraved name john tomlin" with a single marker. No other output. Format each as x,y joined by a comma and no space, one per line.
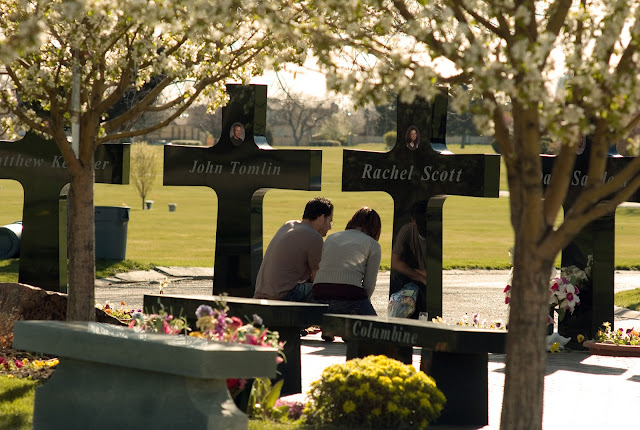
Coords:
235,168
428,173
57,162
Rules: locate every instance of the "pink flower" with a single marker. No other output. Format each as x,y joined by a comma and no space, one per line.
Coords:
18,363
252,339
166,327
571,297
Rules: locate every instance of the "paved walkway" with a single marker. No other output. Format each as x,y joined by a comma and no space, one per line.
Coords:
582,391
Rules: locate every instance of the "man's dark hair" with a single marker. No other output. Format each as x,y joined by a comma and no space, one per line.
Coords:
316,207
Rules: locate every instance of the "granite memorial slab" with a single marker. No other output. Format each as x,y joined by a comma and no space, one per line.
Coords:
38,165
419,172
597,239
241,168
149,379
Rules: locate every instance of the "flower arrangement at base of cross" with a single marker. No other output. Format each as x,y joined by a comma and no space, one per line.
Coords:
564,296
374,392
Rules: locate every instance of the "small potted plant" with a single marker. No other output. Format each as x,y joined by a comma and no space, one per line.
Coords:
621,342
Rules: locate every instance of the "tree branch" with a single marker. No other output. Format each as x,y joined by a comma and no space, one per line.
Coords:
459,6
556,191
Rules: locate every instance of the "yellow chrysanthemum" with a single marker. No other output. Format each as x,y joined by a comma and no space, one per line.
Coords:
392,407
580,338
385,380
349,406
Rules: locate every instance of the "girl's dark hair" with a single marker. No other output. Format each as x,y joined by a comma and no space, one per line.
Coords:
367,220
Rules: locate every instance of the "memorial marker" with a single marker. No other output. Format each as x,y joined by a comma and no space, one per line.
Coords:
596,239
41,170
425,172
240,168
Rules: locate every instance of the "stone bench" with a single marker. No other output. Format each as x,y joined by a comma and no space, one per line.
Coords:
455,356
287,318
109,374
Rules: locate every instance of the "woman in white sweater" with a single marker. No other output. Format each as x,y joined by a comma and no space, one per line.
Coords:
349,265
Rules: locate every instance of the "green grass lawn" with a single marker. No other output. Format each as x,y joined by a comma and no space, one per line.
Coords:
628,299
477,232
16,403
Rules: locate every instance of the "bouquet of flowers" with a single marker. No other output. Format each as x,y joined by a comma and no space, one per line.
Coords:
564,289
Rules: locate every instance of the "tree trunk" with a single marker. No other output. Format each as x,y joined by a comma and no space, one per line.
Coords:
522,405
81,300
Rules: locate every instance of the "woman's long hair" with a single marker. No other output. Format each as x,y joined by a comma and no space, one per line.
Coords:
368,221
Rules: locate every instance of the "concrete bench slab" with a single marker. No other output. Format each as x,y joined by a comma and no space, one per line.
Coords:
157,380
287,318
455,356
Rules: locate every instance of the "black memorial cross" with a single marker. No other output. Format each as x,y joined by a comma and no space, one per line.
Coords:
416,172
241,168
597,240
38,165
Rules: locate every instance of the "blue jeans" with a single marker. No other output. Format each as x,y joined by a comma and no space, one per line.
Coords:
300,293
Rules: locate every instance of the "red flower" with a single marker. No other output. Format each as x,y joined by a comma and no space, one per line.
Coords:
235,323
232,383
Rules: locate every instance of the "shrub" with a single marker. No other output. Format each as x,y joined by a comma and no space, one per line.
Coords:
376,392
390,138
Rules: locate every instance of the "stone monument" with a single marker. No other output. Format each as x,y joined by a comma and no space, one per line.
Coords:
419,172
41,170
597,239
240,168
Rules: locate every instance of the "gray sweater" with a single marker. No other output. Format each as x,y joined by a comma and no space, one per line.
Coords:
350,257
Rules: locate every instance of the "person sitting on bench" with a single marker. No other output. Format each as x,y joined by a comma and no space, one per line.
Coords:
293,255
349,266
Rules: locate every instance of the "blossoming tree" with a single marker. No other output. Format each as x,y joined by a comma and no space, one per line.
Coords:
127,58
568,68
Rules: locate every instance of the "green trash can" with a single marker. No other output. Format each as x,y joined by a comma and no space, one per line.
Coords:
10,236
111,232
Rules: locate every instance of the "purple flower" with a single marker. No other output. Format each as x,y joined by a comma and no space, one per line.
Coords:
203,311
257,319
